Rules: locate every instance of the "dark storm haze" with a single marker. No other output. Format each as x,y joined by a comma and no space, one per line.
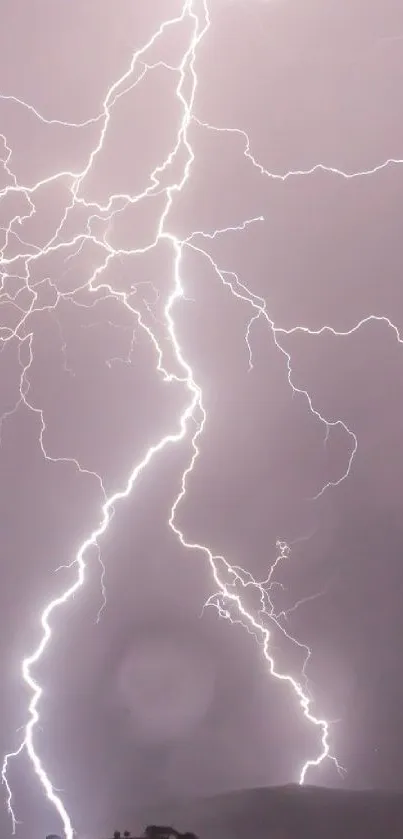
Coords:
150,696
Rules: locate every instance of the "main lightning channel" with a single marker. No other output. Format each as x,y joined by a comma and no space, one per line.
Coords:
230,581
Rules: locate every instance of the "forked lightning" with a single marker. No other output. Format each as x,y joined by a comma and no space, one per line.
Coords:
229,582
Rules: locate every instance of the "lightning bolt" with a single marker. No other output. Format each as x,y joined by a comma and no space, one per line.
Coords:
232,584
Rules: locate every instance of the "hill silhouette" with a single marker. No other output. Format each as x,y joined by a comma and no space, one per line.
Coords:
288,812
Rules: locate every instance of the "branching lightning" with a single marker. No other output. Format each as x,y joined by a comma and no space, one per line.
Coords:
231,583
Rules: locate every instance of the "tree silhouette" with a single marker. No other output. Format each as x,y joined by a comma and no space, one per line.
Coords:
153,831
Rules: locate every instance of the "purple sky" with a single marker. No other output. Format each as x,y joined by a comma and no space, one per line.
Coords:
158,698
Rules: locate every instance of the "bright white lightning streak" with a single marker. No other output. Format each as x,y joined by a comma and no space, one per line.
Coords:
230,581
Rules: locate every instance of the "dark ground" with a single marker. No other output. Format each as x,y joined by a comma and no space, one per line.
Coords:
288,812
